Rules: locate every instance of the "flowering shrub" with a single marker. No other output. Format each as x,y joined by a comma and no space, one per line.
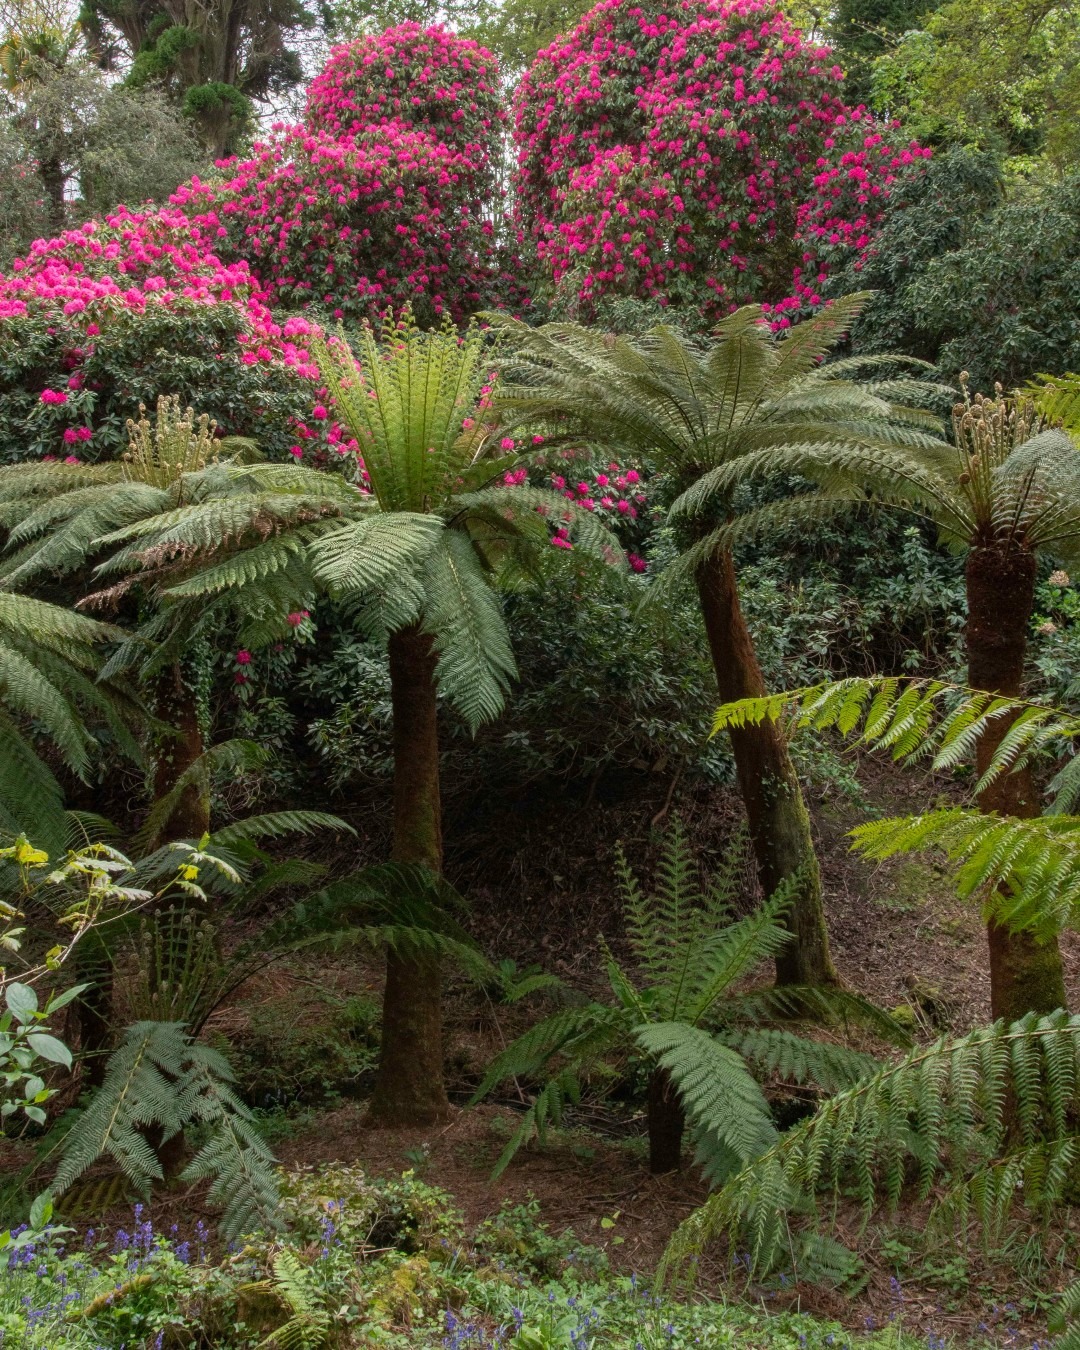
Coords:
384,196
353,225
409,77
698,154
117,312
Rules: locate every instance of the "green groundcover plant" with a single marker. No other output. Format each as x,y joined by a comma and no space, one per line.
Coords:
369,1263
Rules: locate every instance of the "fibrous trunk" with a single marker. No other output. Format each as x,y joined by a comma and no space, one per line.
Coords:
666,1121
176,706
1026,973
409,1088
777,816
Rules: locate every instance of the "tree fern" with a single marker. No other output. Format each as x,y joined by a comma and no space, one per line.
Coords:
677,1010
158,1079
992,1114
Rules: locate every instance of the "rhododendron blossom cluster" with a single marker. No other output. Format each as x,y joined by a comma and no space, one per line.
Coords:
93,310
383,196
697,153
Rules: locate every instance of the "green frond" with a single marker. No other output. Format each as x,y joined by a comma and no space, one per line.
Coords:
1064,1320
157,1076
406,398
799,1060
545,1110
995,1102
689,408
31,800
465,619
277,824
914,719
375,554
511,502
558,1034
1027,871
718,1093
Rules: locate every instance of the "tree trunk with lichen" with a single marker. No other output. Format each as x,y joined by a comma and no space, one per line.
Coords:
409,1087
776,813
1026,972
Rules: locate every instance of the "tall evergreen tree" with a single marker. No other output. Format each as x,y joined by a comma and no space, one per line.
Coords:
212,60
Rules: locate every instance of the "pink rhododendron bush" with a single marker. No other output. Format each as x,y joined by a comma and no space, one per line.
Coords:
384,196
697,153
120,311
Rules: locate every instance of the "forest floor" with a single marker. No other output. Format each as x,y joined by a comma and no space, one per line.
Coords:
541,887
540,882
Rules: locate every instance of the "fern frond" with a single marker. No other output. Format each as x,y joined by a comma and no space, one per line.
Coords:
558,1034
463,615
276,825
545,1110
717,1092
1028,869
135,1092
799,1060
158,1077
950,1108
914,718
234,1157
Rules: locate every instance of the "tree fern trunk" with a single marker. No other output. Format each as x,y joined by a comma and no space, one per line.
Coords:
409,1087
777,815
666,1122
1026,973
175,705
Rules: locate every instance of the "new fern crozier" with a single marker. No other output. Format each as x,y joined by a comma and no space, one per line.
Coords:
677,1011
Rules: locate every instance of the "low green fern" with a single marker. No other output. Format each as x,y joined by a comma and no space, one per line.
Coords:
158,1082
309,1323
679,1013
984,1122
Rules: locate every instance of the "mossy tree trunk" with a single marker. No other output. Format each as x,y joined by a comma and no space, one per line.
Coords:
666,1122
1026,973
409,1087
777,816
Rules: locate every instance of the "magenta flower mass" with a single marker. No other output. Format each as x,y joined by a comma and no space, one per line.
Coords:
384,196
697,154
701,158
94,320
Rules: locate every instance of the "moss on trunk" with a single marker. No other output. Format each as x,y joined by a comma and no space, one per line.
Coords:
775,810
